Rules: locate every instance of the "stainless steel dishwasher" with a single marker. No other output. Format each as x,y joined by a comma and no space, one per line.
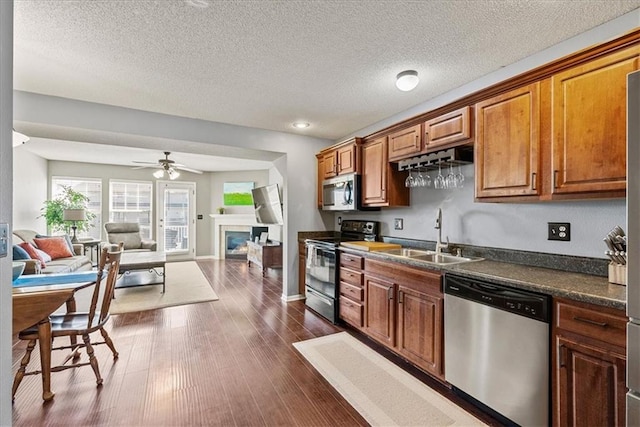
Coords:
496,342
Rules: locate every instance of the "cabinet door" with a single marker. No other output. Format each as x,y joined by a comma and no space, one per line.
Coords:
329,165
319,178
448,129
346,158
420,326
591,384
405,143
507,144
374,172
379,310
589,124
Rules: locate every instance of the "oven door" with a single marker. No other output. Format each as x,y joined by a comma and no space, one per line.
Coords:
321,269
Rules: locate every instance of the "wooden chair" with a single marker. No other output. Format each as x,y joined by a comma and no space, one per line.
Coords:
78,323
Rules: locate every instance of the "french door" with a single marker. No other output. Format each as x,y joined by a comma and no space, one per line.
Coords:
176,219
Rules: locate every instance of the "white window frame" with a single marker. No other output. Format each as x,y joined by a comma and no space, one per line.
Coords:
145,232
94,232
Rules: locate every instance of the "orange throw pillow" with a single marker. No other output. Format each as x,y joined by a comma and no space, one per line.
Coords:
32,252
56,247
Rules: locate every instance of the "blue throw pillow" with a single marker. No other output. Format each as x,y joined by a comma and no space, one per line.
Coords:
19,253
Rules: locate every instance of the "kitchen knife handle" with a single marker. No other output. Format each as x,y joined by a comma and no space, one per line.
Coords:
591,322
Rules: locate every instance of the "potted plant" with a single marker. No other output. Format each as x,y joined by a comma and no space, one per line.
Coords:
53,211
221,210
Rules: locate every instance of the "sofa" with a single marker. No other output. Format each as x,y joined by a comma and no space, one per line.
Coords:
129,234
77,262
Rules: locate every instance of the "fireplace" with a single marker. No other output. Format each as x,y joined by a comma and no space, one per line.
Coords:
236,244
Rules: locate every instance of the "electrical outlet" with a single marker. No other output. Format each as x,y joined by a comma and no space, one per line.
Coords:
559,231
398,223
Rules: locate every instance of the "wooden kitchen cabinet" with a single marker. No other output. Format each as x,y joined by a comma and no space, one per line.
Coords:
341,159
404,310
588,122
351,287
507,162
319,178
405,143
589,365
448,130
381,184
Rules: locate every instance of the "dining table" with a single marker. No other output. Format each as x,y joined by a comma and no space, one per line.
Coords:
35,298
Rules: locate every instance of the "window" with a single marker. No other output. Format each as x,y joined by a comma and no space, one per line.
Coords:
92,188
130,201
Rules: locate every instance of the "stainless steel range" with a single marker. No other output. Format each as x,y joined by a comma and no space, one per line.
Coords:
321,278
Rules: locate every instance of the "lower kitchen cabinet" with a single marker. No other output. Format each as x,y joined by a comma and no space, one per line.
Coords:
588,365
351,301
404,311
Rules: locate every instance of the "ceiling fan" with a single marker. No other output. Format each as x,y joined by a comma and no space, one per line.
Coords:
166,165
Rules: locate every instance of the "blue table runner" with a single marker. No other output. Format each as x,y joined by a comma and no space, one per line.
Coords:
55,279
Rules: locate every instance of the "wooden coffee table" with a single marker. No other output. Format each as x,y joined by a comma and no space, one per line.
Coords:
141,269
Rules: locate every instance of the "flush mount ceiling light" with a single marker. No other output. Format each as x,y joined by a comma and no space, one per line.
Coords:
407,80
300,125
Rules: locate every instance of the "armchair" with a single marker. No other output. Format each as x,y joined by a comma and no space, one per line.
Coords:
129,233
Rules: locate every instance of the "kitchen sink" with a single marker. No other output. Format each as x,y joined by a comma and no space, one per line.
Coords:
427,256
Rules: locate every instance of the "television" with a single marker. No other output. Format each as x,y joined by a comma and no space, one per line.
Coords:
267,204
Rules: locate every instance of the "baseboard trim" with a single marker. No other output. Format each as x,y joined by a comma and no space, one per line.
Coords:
292,298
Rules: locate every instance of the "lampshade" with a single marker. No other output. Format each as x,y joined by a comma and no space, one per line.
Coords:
173,174
159,173
74,215
407,80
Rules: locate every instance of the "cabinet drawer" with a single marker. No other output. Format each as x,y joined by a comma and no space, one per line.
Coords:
351,261
351,312
599,325
350,276
354,292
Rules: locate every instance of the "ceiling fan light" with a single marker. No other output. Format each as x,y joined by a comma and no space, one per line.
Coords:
159,173
173,174
407,80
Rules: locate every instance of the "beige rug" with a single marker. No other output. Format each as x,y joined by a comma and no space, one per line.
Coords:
185,284
383,393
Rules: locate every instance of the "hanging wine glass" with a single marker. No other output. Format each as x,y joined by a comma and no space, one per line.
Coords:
426,179
451,178
439,182
410,181
459,177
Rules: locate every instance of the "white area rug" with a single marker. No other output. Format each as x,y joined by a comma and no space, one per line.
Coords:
383,393
185,284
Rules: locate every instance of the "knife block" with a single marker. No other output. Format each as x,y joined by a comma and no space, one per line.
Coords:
617,274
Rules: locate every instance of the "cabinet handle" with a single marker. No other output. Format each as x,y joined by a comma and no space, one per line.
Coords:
555,179
591,322
562,356
533,180
400,298
390,293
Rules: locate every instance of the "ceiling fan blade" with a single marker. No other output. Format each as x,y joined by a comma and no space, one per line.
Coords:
186,169
144,163
151,166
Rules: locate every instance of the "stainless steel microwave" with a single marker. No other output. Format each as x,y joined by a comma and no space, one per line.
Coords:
341,193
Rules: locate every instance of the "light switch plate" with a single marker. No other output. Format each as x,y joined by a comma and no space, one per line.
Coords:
4,238
398,223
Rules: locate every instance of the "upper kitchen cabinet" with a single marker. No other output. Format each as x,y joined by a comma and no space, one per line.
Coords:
341,159
381,184
319,178
405,143
588,122
448,130
507,144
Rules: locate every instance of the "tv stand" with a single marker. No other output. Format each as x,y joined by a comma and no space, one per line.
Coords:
264,255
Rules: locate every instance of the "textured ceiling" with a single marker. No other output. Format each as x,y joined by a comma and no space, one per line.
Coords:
266,64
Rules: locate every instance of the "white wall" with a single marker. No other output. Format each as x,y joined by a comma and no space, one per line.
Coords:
502,225
30,178
6,165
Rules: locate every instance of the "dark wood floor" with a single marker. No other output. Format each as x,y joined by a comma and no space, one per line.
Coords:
227,362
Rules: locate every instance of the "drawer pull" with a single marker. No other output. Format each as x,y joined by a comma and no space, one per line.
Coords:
591,322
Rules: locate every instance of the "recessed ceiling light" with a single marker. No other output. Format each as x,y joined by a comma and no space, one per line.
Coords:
407,80
300,125
197,3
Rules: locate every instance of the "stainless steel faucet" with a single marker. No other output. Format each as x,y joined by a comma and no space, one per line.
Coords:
439,245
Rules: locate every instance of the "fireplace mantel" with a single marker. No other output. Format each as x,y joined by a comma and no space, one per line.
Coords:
232,222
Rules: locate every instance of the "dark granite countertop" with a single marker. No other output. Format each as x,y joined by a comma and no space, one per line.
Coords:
575,286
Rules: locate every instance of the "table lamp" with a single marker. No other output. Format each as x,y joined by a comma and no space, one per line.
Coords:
74,215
